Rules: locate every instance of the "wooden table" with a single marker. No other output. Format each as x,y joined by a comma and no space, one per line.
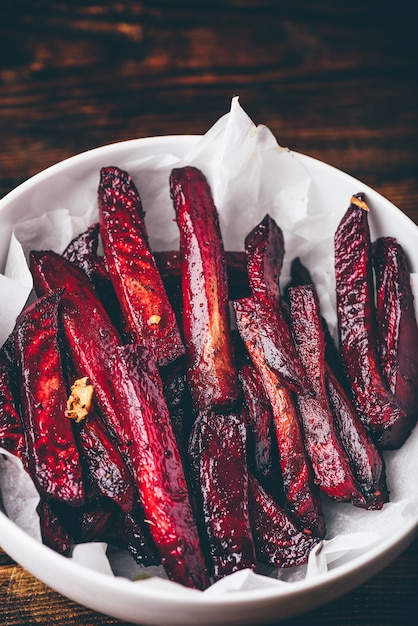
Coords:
335,80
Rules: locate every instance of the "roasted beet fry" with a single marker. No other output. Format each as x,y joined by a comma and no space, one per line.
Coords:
82,251
11,429
298,481
104,463
131,533
218,452
53,457
158,466
377,406
85,243
397,324
179,404
211,372
329,459
259,420
300,275
277,540
53,533
90,335
264,247
366,460
132,267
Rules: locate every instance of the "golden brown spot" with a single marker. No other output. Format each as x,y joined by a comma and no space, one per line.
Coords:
80,401
360,203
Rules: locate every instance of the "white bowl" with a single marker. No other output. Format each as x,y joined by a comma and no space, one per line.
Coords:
139,602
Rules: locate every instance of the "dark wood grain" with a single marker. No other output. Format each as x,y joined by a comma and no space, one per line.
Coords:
335,80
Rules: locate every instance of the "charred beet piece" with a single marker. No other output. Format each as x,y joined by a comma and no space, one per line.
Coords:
329,459
397,324
83,244
82,252
53,458
277,540
259,420
104,463
300,275
94,518
264,247
53,533
179,403
218,455
376,405
132,267
11,430
158,466
90,336
212,375
298,481
131,533
366,460
88,522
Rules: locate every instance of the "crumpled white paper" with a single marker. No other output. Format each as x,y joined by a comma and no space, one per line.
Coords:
250,175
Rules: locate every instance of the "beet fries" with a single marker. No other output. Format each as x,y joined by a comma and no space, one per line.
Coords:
259,416
278,541
158,466
104,463
378,408
213,378
132,267
91,337
197,452
126,403
52,453
396,324
365,458
329,459
212,375
264,247
218,453
11,430
301,493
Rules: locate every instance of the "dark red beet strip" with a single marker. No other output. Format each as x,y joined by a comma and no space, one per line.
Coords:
278,541
158,467
218,451
52,455
373,400
259,420
298,481
366,460
329,459
264,247
11,430
132,267
212,375
397,324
